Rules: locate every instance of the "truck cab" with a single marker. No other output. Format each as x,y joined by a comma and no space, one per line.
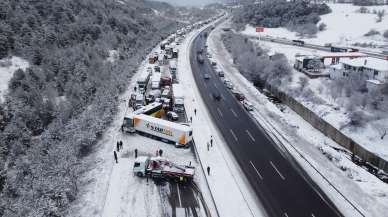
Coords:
140,165
139,101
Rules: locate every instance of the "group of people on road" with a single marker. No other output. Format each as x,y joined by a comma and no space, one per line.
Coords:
119,146
159,152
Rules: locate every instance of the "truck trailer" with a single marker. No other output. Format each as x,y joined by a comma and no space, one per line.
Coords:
178,98
155,80
162,168
180,134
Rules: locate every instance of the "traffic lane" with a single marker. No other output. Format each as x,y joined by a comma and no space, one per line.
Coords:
272,163
182,197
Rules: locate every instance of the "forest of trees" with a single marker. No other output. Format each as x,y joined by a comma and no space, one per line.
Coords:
57,109
299,15
254,63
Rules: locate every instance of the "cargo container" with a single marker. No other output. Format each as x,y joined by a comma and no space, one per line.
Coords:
179,134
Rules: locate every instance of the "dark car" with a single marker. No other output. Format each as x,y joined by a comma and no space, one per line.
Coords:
216,96
206,76
239,96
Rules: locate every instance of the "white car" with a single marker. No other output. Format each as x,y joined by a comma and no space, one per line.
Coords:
172,116
247,105
229,85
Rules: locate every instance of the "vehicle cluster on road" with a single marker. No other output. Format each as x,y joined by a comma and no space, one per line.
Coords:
156,109
218,71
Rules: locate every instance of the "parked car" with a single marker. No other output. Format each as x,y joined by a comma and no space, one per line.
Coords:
239,96
172,116
220,73
247,105
206,76
214,63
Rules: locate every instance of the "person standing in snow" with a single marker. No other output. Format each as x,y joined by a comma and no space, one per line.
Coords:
121,144
118,146
195,112
208,170
211,142
157,152
160,152
135,152
115,155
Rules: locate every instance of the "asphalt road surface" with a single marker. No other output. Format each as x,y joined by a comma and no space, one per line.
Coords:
279,182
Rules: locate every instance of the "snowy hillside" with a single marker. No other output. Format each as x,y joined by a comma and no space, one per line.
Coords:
7,68
345,26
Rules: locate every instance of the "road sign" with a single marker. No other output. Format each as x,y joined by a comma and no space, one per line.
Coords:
259,29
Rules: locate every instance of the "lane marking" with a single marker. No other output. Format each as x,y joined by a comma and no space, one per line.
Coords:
215,85
234,113
285,214
261,177
250,135
219,111
179,195
234,135
273,165
312,215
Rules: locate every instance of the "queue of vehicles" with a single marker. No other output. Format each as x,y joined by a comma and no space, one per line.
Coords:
216,95
159,94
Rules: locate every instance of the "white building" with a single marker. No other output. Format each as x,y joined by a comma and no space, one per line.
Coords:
375,71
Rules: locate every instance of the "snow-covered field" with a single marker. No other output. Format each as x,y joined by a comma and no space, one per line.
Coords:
7,67
330,109
368,193
345,26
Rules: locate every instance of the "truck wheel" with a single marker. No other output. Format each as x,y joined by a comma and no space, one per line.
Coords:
140,174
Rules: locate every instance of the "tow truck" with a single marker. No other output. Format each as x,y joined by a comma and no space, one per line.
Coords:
162,168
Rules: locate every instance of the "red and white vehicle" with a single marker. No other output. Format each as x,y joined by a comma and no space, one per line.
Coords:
162,168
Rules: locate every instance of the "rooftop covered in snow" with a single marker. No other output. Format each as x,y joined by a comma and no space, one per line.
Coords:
367,62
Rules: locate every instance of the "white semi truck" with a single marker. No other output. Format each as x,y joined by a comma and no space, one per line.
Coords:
181,135
178,98
161,168
155,80
142,81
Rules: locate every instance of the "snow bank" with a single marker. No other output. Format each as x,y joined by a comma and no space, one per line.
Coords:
330,109
7,68
345,26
